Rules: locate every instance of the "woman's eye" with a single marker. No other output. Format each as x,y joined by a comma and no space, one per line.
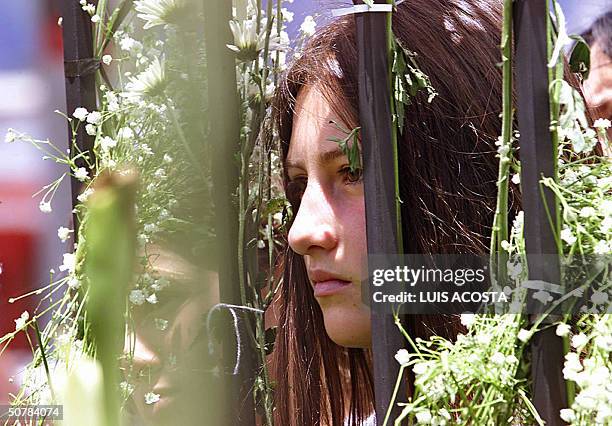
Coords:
352,176
296,188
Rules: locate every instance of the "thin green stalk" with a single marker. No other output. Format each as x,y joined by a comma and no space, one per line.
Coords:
395,390
500,221
398,202
41,345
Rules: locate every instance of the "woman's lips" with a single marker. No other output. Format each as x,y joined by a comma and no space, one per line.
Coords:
329,287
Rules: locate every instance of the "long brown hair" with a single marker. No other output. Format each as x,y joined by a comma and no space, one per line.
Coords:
448,173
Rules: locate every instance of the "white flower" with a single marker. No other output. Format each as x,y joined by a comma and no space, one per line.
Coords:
63,233
602,123
606,225
80,114
85,195
587,212
542,296
261,244
467,319
419,368
125,133
287,15
91,129
69,263
248,43
567,415
523,335
10,136
568,236
563,329
81,174
402,356
89,8
45,206
152,299
579,340
602,247
309,26
150,82
514,269
599,297
74,283
95,19
106,143
505,245
605,207
167,159
21,321
423,417
137,297
498,358
516,179
151,398
94,117
128,44
159,12
107,59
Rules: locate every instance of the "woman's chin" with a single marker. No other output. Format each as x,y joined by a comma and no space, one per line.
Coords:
348,326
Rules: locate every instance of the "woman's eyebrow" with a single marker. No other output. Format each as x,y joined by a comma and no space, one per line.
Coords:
321,158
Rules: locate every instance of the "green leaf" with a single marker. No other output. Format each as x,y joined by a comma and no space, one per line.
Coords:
580,57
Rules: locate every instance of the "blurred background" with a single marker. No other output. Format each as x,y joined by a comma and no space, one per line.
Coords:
31,88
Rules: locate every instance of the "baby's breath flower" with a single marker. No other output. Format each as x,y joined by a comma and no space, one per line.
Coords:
91,129
602,123
419,368
81,174
423,417
567,415
10,136
69,262
106,143
587,212
89,8
602,247
498,358
94,117
159,12
85,195
107,59
568,236
151,398
137,297
402,356
152,299
516,179
63,233
128,44
95,19
468,319
125,133
524,335
21,321
74,283
563,329
45,207
309,26
599,297
80,113
579,340
261,244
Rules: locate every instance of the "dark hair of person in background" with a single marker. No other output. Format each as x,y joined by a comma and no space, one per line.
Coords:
601,32
448,174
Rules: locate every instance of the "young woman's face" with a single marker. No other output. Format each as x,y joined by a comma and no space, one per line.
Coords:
329,227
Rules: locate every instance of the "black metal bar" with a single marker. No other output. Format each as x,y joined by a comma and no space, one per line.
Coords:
79,72
375,122
224,118
537,160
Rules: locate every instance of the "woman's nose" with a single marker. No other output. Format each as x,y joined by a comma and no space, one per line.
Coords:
314,226
146,361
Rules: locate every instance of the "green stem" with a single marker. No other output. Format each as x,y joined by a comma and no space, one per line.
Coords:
41,345
395,390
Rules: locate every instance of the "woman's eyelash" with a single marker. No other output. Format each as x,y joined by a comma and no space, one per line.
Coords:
352,177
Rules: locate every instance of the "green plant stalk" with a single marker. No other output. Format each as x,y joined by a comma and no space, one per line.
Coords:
394,395
398,202
500,221
43,354
110,236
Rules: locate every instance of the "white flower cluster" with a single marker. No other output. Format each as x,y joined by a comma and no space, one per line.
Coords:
589,367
